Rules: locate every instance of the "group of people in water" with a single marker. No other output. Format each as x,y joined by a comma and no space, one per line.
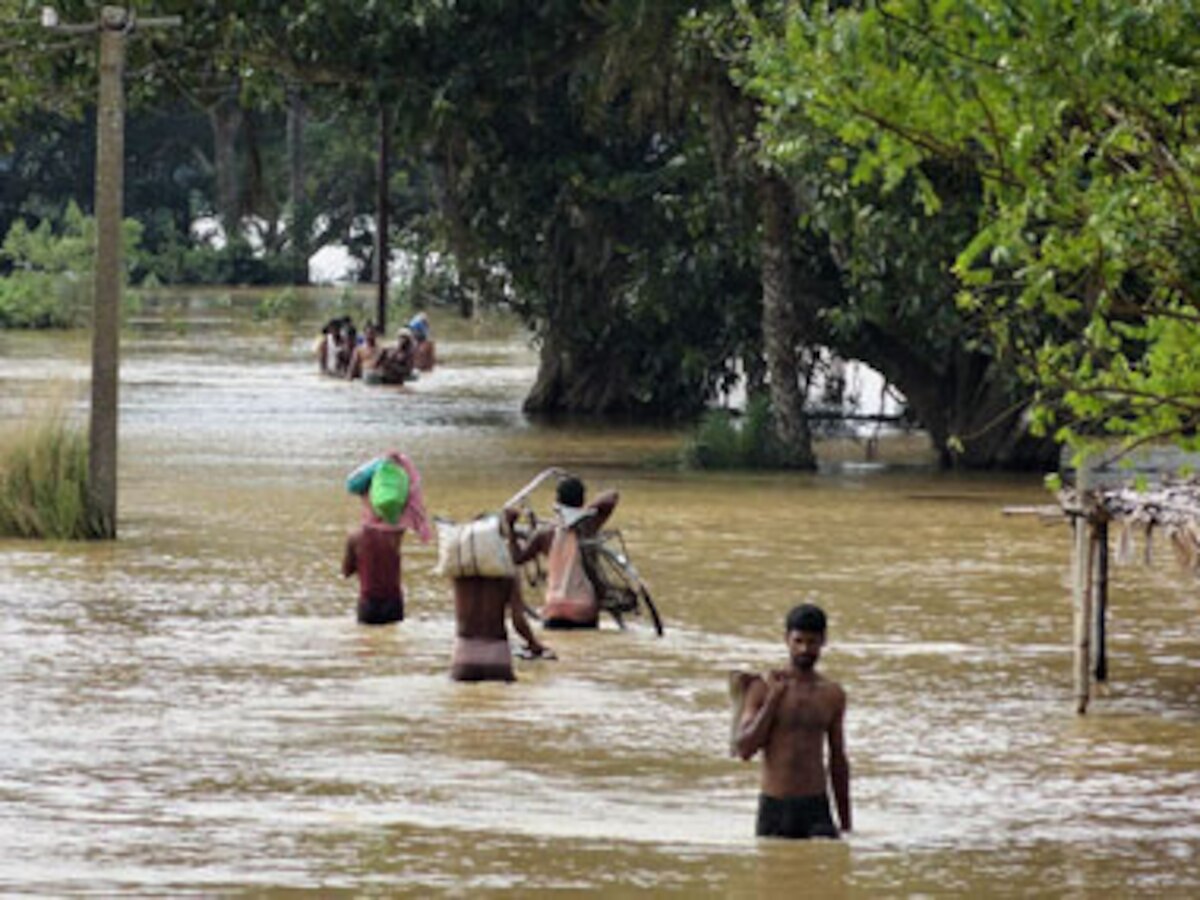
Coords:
343,352
793,716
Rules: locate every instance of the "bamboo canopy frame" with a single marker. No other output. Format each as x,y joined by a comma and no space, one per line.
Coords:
1172,508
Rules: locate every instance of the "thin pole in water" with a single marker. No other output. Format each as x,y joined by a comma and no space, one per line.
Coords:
114,25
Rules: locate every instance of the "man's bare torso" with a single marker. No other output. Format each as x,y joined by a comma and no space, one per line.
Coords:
480,604
794,755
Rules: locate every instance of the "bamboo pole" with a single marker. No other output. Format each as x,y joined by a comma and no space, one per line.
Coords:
1082,596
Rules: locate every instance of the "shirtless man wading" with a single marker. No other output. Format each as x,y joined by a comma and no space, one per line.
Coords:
481,605
571,600
791,715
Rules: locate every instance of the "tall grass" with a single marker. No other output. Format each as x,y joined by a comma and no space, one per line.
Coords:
725,441
288,304
43,480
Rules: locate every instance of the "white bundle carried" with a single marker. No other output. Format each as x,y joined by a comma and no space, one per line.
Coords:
473,549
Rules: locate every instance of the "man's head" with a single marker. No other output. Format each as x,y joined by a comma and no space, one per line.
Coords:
420,326
805,635
570,492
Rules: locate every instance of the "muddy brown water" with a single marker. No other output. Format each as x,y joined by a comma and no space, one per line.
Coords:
192,709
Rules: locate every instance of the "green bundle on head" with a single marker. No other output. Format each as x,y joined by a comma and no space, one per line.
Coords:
389,491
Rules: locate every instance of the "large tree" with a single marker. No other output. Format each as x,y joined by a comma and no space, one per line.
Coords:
1079,122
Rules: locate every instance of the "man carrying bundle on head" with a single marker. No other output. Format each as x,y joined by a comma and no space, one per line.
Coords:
425,351
571,599
390,488
477,557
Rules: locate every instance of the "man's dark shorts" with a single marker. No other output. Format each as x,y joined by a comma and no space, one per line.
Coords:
795,817
380,612
569,624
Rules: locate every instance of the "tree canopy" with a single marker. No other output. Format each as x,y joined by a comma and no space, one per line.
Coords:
992,203
1078,121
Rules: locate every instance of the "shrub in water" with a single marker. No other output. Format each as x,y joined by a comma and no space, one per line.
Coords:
725,441
287,305
41,300
43,482
51,282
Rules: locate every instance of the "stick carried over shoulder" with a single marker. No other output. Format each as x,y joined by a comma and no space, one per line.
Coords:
519,496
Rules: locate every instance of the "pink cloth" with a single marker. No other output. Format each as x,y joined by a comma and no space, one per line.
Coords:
414,518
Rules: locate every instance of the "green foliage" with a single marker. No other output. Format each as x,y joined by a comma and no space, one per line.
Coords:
43,481
359,305
724,440
34,57
593,166
594,216
1079,120
288,305
50,285
39,300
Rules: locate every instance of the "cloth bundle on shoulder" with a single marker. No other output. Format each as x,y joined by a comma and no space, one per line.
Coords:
385,483
473,549
389,491
359,481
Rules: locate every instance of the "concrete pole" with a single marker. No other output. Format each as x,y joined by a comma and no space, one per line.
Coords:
106,316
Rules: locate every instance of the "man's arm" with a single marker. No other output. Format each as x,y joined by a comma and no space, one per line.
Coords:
839,764
516,608
762,700
602,508
350,555
538,542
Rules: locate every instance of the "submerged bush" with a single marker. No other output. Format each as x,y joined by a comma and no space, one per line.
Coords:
288,305
42,300
43,481
50,285
724,440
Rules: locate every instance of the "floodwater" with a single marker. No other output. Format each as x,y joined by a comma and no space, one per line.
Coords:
193,709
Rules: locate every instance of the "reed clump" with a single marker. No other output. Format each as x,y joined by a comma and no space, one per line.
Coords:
44,480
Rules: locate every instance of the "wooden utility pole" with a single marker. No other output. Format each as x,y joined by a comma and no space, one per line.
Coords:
1081,589
1085,568
298,225
382,251
106,318
114,25
1100,603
